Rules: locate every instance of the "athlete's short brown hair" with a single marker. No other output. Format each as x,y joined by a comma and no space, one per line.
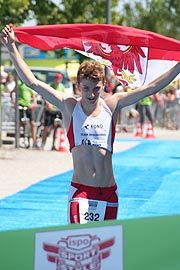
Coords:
92,70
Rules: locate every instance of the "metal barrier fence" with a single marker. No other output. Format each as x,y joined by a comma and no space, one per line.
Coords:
167,116
8,123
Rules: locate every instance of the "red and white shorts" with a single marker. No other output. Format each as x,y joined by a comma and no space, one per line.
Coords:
87,204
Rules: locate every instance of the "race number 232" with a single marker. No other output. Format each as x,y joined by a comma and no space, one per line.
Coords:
91,210
91,216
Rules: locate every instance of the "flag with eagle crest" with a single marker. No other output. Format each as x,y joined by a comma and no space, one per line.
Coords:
135,56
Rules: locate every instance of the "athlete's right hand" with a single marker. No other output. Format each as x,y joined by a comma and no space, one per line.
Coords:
7,35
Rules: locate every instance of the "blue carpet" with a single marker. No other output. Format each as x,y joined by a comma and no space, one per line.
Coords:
148,178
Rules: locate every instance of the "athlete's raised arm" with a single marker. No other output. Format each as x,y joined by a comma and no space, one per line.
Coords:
8,38
120,100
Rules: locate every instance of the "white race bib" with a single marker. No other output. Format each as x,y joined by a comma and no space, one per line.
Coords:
91,210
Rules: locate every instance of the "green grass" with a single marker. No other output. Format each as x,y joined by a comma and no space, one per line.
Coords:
44,62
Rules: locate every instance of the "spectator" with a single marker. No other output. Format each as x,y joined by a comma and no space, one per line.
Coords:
2,93
10,83
8,110
171,108
145,110
51,113
27,98
126,115
3,80
158,107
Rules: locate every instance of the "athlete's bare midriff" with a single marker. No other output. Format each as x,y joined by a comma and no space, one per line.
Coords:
92,166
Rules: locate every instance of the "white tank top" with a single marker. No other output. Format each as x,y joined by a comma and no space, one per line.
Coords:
98,131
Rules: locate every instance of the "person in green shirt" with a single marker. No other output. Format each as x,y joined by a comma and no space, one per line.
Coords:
2,89
2,94
144,109
2,82
51,113
27,98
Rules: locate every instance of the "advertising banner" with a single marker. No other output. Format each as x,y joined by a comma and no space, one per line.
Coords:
97,248
134,244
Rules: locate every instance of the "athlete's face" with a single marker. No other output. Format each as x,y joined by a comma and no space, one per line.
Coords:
90,90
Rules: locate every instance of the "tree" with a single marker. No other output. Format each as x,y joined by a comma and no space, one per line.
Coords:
15,12
160,16
72,11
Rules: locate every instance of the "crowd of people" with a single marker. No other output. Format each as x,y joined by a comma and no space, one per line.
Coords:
27,98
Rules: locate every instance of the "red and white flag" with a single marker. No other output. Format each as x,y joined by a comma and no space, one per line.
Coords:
136,56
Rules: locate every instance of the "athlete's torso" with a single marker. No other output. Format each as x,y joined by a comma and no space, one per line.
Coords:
92,131
91,140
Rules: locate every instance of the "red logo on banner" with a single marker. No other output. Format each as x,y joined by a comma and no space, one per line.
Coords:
79,252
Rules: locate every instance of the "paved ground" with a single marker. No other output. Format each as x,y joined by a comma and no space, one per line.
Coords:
20,168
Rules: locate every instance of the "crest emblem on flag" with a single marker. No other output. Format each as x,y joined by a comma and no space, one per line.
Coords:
127,62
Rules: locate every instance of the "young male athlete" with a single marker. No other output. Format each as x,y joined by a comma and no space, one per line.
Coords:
90,125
